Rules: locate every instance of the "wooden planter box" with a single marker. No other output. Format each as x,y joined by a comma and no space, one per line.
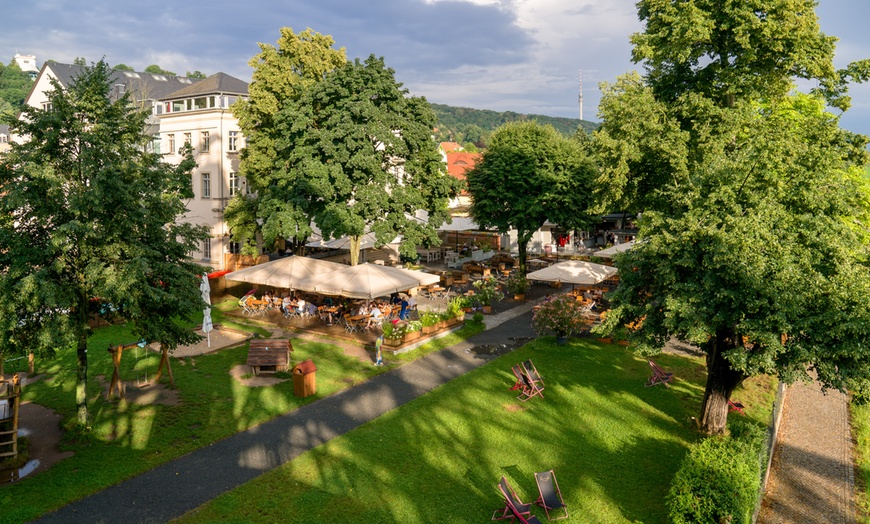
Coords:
393,342
430,329
414,335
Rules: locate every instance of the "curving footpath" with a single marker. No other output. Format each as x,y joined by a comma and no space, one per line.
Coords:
812,476
172,489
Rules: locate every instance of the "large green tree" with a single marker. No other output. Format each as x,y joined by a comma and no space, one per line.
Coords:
14,86
753,207
88,223
531,174
348,150
281,75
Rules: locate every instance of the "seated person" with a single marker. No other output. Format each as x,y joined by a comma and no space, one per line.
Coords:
300,307
312,309
363,311
287,305
375,317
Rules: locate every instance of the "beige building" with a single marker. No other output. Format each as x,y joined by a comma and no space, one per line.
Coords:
181,111
200,115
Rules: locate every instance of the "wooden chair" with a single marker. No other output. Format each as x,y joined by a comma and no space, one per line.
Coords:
513,506
736,405
550,496
659,376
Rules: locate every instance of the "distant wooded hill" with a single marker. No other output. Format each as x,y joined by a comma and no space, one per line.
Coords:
463,124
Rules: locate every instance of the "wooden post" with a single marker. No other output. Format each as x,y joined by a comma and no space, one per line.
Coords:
30,366
164,360
116,352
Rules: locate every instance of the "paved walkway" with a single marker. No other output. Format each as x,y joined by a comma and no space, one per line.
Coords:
181,485
812,476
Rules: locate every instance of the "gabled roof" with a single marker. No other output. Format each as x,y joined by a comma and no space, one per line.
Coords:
4,129
143,86
459,162
218,83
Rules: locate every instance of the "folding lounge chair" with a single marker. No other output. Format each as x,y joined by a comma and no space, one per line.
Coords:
550,497
530,389
736,405
532,372
518,373
512,505
659,376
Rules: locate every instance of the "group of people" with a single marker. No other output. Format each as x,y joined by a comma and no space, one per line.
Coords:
331,310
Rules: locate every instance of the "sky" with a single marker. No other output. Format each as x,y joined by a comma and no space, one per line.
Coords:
506,55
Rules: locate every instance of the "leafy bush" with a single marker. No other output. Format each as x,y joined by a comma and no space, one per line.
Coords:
487,291
478,317
719,479
429,319
562,314
517,284
454,307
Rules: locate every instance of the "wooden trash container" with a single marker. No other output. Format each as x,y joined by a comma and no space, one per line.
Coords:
304,382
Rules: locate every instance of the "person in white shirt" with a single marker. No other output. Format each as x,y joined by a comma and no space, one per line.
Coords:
375,317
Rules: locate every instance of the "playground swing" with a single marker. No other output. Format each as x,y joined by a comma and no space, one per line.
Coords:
141,371
117,351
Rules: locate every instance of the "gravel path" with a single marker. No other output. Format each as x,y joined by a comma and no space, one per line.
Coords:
812,476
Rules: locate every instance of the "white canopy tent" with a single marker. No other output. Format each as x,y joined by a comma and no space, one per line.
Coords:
614,250
367,241
368,281
289,272
574,272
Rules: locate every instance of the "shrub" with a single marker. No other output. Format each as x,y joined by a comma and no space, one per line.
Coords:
429,319
478,317
720,478
517,284
487,291
562,314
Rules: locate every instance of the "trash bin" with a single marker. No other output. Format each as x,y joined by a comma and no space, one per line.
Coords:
304,383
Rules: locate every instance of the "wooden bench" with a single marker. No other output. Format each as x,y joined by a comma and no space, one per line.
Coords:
269,355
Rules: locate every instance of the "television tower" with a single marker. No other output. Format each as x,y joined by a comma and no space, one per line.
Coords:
580,96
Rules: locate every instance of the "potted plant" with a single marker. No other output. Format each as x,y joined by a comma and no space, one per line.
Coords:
487,292
455,308
429,321
518,285
392,334
412,330
561,314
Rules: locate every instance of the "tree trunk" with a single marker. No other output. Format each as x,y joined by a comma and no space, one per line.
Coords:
354,249
523,244
82,382
721,382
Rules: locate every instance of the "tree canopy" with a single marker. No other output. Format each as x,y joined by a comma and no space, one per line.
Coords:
89,225
528,175
753,205
14,86
345,148
155,69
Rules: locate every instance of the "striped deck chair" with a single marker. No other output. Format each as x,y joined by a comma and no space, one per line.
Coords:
659,376
532,372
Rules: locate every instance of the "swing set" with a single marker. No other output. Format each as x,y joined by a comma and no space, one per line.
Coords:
141,375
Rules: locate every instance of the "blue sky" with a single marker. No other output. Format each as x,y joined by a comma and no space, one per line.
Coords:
506,55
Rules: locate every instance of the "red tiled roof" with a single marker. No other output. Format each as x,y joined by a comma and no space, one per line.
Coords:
460,162
450,146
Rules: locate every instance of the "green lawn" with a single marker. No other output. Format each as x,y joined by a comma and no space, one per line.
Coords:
127,439
861,434
614,444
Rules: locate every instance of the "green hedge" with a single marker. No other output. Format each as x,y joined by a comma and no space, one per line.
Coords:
719,478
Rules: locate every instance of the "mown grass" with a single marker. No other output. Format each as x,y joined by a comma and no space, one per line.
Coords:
614,444
861,435
127,439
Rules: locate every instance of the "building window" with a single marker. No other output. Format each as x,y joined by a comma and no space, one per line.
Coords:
155,144
233,141
171,138
206,142
4,139
206,249
187,139
234,183
206,185
235,248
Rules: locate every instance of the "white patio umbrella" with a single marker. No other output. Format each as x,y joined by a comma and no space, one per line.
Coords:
367,241
205,290
614,250
288,272
573,272
367,281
